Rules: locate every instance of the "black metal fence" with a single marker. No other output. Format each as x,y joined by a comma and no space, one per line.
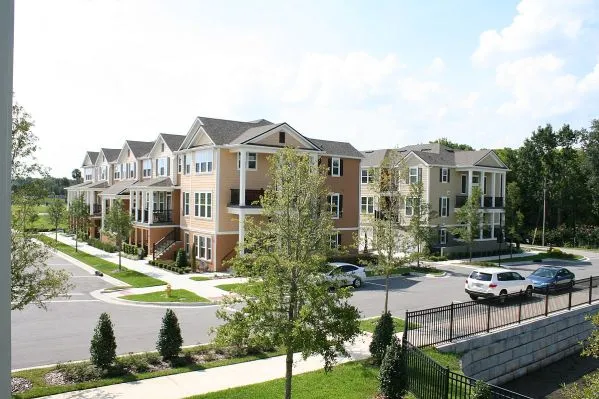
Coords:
460,320
427,379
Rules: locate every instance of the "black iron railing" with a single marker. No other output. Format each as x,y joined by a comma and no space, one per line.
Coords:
97,209
460,200
252,197
460,320
162,245
162,216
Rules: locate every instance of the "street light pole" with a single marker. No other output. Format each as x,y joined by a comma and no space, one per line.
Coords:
544,212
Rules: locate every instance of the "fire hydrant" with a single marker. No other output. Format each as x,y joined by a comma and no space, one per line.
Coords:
168,290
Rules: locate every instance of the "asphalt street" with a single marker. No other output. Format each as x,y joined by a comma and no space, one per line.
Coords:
63,331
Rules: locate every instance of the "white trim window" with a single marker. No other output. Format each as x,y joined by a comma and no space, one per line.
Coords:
444,211
367,205
335,240
251,161
333,200
203,161
410,206
147,168
335,167
206,205
103,172
187,163
196,204
413,178
179,163
185,204
162,167
89,174
204,247
475,180
443,236
186,242
464,184
367,177
118,170
444,175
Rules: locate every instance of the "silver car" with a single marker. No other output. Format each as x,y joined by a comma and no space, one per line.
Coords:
346,274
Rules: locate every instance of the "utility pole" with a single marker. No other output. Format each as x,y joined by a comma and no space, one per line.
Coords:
544,212
7,12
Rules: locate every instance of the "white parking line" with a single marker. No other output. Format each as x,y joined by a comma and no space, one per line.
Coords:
90,276
74,300
368,282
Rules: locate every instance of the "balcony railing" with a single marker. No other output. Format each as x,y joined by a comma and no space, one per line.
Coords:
460,200
252,197
97,209
162,216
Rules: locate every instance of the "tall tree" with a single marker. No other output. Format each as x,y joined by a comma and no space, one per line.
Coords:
469,219
117,223
514,219
388,235
419,230
25,202
24,145
285,251
591,163
76,174
56,212
79,217
33,281
448,143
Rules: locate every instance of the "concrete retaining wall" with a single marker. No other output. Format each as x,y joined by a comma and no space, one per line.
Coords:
513,352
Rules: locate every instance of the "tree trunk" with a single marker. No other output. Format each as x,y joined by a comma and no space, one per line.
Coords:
386,291
418,255
288,372
119,260
56,234
470,252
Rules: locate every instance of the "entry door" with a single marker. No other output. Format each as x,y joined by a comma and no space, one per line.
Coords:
169,200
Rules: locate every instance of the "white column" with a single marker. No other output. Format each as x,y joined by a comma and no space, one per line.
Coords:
130,202
103,211
242,170
90,196
151,207
481,185
503,188
493,183
136,194
241,231
469,183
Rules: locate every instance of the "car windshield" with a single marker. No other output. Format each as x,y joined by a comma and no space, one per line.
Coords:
329,268
480,276
544,272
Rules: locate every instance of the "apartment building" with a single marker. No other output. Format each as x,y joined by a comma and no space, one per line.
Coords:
196,190
448,177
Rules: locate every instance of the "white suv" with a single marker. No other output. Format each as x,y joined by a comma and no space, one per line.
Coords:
491,281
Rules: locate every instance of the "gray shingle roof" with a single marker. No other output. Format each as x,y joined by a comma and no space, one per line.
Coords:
118,187
253,132
93,156
337,148
154,182
223,131
80,185
374,158
469,157
111,154
173,141
140,148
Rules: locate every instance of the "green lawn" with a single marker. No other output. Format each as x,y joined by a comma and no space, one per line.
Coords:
369,324
451,360
242,288
201,278
160,296
36,376
356,380
539,256
131,277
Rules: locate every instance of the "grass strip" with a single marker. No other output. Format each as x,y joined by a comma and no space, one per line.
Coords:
160,296
242,288
399,324
201,278
131,277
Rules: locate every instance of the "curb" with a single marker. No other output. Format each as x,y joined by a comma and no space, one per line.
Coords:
117,301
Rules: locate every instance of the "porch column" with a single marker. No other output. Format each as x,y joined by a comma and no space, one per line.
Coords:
136,194
469,183
242,170
493,183
241,232
151,210
481,186
90,199
103,211
503,188
130,202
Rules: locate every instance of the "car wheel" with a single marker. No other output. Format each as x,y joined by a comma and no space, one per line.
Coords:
502,296
357,283
571,284
473,297
528,291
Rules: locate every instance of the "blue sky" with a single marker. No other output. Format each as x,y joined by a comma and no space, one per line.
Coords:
377,74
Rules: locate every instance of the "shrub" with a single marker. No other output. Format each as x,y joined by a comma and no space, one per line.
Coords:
381,338
103,345
169,340
481,391
79,372
153,358
134,363
392,376
181,259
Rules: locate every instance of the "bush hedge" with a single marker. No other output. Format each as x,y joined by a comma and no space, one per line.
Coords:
381,338
476,254
586,236
104,246
169,265
129,249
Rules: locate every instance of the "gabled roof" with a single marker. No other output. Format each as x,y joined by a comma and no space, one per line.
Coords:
111,154
374,158
254,132
470,157
340,148
154,182
118,187
173,141
80,185
140,148
92,155
223,131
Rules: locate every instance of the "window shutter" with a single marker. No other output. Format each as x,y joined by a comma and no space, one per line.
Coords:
338,239
168,166
447,206
439,236
440,206
340,206
330,166
441,174
419,175
408,176
341,167
448,175
156,174
319,161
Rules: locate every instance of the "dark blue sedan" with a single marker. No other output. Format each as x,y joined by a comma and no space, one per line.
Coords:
551,278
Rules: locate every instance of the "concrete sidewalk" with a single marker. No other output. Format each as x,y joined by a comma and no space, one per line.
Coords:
215,379
206,289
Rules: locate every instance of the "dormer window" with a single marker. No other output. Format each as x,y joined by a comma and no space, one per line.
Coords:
162,147
282,137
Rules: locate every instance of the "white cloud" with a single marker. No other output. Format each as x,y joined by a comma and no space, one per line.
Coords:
470,100
437,66
537,21
413,89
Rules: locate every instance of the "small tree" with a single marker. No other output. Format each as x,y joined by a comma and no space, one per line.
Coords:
76,174
514,219
470,218
103,345
418,228
169,340
192,258
482,391
589,387
25,201
181,259
392,376
79,215
118,224
56,212
382,336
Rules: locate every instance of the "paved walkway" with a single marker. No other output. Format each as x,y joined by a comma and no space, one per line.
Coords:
206,289
199,382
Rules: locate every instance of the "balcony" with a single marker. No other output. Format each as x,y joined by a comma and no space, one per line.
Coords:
162,216
252,198
460,200
97,209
